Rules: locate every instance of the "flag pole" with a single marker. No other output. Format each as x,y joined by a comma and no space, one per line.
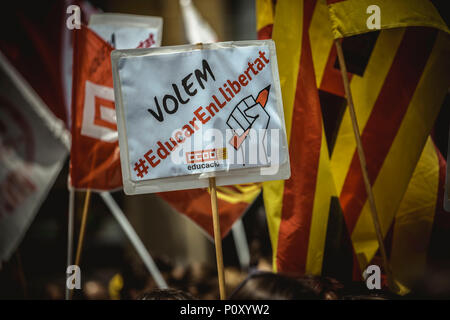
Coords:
82,230
240,241
363,163
135,240
216,226
70,233
21,274
217,237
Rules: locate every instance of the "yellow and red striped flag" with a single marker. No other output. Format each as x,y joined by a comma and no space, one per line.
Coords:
420,222
298,209
398,78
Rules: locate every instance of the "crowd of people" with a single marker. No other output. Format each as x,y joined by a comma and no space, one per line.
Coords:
263,285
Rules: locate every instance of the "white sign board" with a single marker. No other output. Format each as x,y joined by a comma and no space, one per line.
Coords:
187,113
125,31
33,147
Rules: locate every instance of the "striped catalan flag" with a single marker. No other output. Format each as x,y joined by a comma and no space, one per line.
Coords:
419,233
298,209
264,18
398,76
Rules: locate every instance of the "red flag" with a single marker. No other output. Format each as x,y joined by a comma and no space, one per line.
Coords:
233,201
40,48
95,161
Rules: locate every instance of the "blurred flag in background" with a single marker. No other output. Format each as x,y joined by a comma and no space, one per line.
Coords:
399,78
94,159
299,209
34,110
33,147
40,48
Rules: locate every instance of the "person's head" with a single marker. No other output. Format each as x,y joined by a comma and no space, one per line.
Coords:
357,290
434,284
166,294
271,286
325,288
365,297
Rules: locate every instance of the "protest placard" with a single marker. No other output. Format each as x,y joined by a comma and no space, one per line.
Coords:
186,113
125,31
200,115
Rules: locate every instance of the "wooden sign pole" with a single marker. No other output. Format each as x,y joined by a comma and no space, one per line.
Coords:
83,226
216,226
363,163
82,231
217,238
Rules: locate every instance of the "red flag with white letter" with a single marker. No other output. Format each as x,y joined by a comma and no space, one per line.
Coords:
94,162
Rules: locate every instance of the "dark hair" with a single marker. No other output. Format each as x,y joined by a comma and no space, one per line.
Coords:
434,284
166,294
366,297
359,291
325,288
271,286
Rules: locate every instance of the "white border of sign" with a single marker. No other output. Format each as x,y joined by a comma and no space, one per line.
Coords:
239,176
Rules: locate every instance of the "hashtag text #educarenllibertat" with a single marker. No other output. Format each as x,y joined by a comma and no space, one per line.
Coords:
201,116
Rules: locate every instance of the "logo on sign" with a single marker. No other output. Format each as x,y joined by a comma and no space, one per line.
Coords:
99,114
206,155
249,113
147,43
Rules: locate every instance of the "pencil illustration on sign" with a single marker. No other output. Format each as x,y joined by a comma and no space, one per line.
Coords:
249,113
